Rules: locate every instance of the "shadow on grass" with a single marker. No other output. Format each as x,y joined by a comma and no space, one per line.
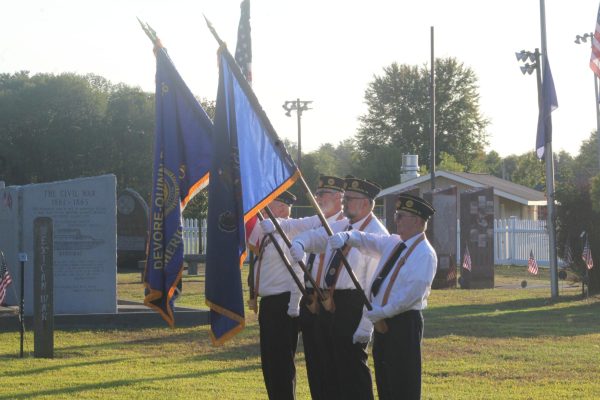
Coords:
78,390
518,318
168,336
35,371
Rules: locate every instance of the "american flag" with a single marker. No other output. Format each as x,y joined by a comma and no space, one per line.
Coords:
586,255
451,273
568,257
5,278
532,266
467,259
243,50
595,58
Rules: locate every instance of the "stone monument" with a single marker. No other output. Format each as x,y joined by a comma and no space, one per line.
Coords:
132,227
83,213
477,232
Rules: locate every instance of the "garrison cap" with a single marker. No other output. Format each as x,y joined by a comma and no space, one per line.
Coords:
363,186
331,182
415,205
286,197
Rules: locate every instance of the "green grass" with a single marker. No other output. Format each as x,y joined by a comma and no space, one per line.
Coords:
479,344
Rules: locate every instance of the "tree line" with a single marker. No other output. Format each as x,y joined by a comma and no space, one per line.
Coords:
64,126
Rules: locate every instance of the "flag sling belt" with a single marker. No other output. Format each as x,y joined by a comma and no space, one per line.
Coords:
335,267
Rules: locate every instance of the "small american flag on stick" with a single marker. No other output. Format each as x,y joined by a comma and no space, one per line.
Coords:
452,272
532,266
5,278
467,260
586,255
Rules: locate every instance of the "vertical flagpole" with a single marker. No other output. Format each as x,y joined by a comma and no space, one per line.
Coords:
549,174
299,115
432,96
597,96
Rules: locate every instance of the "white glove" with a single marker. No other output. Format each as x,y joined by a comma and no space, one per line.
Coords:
267,226
376,314
337,240
293,310
297,250
361,336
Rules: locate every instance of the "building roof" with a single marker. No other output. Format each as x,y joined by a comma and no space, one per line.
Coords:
503,188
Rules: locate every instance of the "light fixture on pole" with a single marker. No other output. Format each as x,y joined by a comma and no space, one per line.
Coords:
583,39
299,106
534,64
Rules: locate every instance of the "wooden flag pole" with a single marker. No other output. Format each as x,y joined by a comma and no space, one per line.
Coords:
287,241
325,224
286,262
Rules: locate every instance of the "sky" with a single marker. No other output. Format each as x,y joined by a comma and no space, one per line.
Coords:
325,51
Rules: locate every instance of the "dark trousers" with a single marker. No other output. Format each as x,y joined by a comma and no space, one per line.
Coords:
318,353
278,341
350,360
397,356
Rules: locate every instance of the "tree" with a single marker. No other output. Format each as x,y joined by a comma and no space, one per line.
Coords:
587,160
449,163
398,116
577,212
50,126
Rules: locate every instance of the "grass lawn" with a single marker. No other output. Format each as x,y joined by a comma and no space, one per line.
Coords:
502,343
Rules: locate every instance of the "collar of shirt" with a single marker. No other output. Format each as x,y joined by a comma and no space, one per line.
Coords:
412,239
357,224
335,217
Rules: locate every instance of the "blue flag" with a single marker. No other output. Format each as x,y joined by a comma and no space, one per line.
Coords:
250,168
182,157
549,104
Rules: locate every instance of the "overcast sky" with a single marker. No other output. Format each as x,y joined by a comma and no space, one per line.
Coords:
326,51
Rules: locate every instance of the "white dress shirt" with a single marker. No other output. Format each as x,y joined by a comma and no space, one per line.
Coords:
274,277
412,286
294,227
363,265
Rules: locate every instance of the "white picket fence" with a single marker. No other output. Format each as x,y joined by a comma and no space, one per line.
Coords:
513,240
194,236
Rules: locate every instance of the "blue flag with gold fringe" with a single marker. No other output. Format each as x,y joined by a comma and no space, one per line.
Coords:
250,168
182,158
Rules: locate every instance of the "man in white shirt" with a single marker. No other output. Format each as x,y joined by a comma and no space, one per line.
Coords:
348,331
279,310
315,337
399,291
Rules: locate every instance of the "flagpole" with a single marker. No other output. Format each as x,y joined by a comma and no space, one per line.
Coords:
597,107
252,98
289,244
549,173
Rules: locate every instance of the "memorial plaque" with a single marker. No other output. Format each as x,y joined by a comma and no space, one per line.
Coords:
83,212
441,233
43,288
477,232
9,229
132,226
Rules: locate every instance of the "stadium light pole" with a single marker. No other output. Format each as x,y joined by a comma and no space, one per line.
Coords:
299,106
532,63
583,39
